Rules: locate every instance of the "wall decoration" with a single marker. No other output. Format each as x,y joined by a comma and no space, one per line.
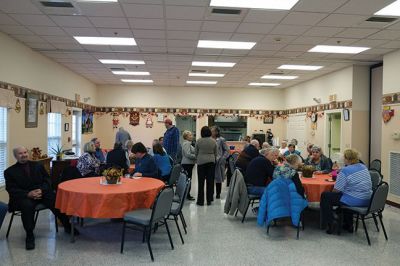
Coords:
149,121
160,118
18,106
387,114
115,120
41,108
87,122
66,127
268,119
134,118
31,110
314,117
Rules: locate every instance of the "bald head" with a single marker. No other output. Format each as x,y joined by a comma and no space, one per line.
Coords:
21,154
255,143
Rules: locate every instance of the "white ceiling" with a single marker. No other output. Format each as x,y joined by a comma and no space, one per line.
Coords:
167,32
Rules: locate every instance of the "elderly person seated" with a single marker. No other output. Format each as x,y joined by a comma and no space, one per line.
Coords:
321,163
353,187
28,184
248,154
118,158
289,170
291,150
88,165
99,152
284,147
144,164
259,171
162,161
265,145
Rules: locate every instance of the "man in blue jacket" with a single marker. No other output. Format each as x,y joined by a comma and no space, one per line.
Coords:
171,139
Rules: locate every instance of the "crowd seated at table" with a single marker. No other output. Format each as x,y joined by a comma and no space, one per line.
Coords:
321,163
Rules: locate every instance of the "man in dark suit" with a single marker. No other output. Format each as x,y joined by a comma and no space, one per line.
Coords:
28,184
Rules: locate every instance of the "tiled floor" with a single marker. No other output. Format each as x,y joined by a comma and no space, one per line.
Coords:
213,239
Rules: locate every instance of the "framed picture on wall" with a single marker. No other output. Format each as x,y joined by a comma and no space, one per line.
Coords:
268,120
31,110
346,114
66,127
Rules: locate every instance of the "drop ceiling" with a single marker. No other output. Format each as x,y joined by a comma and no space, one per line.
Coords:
167,32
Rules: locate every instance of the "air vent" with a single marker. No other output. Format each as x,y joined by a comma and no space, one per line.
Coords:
226,11
381,19
56,4
117,69
394,173
276,73
198,71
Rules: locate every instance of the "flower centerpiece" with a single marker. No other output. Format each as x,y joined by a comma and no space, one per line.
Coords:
308,170
113,175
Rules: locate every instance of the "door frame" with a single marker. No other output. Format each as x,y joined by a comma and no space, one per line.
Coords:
327,132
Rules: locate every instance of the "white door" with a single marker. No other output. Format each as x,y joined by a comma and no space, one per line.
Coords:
296,129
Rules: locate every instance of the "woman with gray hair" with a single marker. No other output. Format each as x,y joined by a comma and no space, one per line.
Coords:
222,154
88,165
321,163
289,171
188,156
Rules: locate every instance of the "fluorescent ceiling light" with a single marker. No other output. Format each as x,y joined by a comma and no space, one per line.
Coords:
105,40
336,49
264,84
213,64
206,75
300,67
201,82
390,10
137,80
278,77
225,44
121,62
264,4
131,73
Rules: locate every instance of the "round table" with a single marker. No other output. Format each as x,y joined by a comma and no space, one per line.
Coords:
316,185
86,197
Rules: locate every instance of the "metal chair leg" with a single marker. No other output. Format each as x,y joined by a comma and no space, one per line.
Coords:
144,236
244,215
365,229
375,221
236,213
179,230
358,217
169,235
148,244
183,224
123,237
9,224
56,223
383,227
268,230
183,219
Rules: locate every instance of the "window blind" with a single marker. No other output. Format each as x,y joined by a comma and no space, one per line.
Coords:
53,132
3,143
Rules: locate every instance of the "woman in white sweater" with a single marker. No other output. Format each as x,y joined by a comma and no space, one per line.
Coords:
188,156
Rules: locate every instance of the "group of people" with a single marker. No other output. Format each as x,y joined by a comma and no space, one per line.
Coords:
353,186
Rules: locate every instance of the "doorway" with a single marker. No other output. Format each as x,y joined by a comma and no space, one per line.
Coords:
186,123
334,133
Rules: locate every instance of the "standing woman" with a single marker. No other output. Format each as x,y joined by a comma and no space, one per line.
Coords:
206,154
222,155
188,156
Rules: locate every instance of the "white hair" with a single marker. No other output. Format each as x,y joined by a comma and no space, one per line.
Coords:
15,150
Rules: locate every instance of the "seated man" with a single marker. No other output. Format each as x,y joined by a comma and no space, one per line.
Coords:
144,164
118,157
260,170
291,150
98,152
28,184
248,154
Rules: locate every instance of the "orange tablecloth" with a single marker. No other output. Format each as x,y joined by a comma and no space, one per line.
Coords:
86,197
315,186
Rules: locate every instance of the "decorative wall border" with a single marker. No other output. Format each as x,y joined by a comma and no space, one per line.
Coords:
391,98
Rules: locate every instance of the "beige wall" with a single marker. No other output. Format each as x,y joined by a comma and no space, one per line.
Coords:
191,97
278,128
391,75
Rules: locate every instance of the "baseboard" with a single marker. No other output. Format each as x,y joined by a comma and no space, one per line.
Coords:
394,204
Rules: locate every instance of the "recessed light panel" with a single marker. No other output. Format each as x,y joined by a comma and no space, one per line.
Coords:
300,67
213,64
278,77
390,10
137,80
336,49
131,73
264,84
214,75
225,45
105,40
204,82
263,4
121,62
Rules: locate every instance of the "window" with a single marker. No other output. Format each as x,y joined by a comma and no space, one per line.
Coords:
76,132
53,132
3,143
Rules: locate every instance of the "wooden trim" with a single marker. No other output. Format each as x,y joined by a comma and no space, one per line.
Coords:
394,204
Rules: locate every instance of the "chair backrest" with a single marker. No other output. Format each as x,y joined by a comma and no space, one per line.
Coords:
378,199
175,172
232,160
162,204
376,178
376,165
181,185
184,189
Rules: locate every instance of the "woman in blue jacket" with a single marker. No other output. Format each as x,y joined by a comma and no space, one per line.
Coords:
162,161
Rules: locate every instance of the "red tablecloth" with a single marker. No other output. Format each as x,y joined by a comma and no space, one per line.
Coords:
86,197
315,186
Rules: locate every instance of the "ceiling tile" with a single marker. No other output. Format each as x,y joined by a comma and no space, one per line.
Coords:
182,35
101,9
71,21
15,30
184,12
68,46
59,39
290,29
356,33
151,42
181,43
221,36
323,31
391,44
43,30
219,26
187,2
247,37
340,41
33,20
115,32
19,6
318,5
269,46
144,11
297,48
142,23
154,49
342,20
183,25
82,31
39,45
370,43
7,20
303,18
109,22
153,34
385,35
308,40
363,7
254,28
28,38
264,16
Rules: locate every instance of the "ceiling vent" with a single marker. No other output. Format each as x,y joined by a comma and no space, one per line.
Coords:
276,73
58,7
117,69
224,11
381,19
198,71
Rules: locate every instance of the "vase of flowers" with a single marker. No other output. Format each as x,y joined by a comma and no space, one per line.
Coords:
308,170
113,175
